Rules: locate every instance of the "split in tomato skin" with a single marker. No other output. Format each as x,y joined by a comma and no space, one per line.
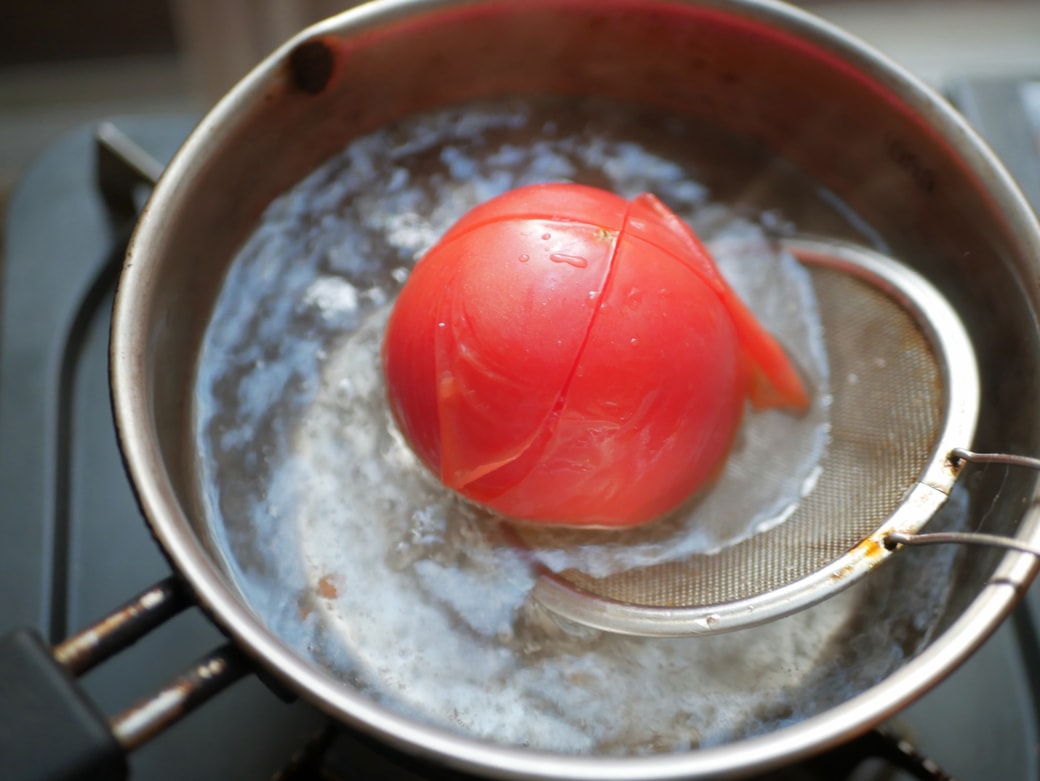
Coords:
565,356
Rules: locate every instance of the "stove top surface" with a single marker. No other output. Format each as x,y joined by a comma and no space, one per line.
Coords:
73,544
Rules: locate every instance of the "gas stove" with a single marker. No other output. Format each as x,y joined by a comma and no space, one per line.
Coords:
73,544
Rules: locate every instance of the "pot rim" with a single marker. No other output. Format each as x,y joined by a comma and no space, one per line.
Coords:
174,533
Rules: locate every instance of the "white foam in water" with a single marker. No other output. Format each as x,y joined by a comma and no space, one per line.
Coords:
364,564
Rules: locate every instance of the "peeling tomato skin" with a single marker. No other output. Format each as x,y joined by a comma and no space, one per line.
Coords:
409,358
645,421
562,203
772,380
518,315
580,358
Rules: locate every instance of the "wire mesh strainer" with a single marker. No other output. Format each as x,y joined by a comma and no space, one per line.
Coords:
905,399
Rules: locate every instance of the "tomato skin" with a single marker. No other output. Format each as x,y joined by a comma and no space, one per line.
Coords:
565,356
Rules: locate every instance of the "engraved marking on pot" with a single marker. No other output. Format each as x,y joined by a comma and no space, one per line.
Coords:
311,65
910,162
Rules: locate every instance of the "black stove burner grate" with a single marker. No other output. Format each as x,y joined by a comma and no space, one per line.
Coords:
879,755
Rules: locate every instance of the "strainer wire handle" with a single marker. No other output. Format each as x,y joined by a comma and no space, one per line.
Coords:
959,454
962,538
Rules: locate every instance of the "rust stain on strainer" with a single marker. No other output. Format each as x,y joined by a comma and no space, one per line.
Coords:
869,552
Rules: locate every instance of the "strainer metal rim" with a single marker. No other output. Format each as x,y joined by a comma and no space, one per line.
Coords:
955,356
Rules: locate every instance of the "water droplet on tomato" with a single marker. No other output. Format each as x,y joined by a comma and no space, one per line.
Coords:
571,260
524,258
546,236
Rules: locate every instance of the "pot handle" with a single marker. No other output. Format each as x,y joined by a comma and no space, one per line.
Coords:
50,730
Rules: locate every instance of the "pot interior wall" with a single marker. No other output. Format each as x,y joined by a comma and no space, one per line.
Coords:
850,128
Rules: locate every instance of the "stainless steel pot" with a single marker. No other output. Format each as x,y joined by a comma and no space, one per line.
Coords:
883,143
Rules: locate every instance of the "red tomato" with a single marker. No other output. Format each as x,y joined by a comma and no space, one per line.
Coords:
565,356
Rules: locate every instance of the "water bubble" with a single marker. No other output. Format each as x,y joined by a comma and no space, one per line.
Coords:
571,260
546,236
524,258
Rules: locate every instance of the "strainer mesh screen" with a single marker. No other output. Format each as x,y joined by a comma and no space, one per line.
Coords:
885,417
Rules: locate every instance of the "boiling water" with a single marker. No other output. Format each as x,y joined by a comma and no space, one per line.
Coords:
362,562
